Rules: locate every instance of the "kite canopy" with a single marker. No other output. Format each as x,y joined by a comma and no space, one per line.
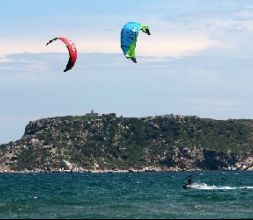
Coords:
72,51
129,36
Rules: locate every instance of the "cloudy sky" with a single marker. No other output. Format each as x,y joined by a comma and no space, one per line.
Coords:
198,60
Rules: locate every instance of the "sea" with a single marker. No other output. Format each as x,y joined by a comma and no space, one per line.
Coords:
128,195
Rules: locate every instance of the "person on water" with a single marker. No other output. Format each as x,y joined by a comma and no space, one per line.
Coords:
189,182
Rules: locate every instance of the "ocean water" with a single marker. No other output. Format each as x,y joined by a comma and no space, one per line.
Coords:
144,195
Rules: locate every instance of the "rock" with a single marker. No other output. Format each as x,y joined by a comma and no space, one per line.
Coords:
250,168
96,166
66,165
132,170
33,127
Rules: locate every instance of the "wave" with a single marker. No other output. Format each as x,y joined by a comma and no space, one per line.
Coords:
204,186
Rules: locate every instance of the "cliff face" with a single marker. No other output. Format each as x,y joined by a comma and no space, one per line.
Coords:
169,143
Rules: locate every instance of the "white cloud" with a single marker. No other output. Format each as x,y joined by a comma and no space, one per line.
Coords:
20,63
159,44
175,45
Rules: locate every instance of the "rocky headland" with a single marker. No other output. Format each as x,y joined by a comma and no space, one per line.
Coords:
109,143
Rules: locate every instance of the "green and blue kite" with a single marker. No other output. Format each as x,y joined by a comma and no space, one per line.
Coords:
129,35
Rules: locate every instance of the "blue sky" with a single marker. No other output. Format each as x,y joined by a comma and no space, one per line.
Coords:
198,60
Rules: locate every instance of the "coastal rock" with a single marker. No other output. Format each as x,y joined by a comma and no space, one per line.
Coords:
66,165
34,126
250,168
109,143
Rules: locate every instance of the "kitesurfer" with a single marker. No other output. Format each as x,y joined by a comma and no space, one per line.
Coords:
189,182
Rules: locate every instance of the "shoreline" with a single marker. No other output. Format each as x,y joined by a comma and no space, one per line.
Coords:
114,172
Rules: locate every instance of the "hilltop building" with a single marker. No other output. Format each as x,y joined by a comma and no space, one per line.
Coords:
92,114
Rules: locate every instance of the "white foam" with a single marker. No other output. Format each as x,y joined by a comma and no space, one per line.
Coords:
204,186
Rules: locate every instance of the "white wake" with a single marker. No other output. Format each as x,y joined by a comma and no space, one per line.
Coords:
204,186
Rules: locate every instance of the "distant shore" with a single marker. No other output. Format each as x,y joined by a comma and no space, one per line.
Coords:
113,171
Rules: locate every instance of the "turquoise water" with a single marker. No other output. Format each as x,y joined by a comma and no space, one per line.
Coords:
146,195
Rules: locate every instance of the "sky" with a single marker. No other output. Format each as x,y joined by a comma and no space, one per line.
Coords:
198,60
